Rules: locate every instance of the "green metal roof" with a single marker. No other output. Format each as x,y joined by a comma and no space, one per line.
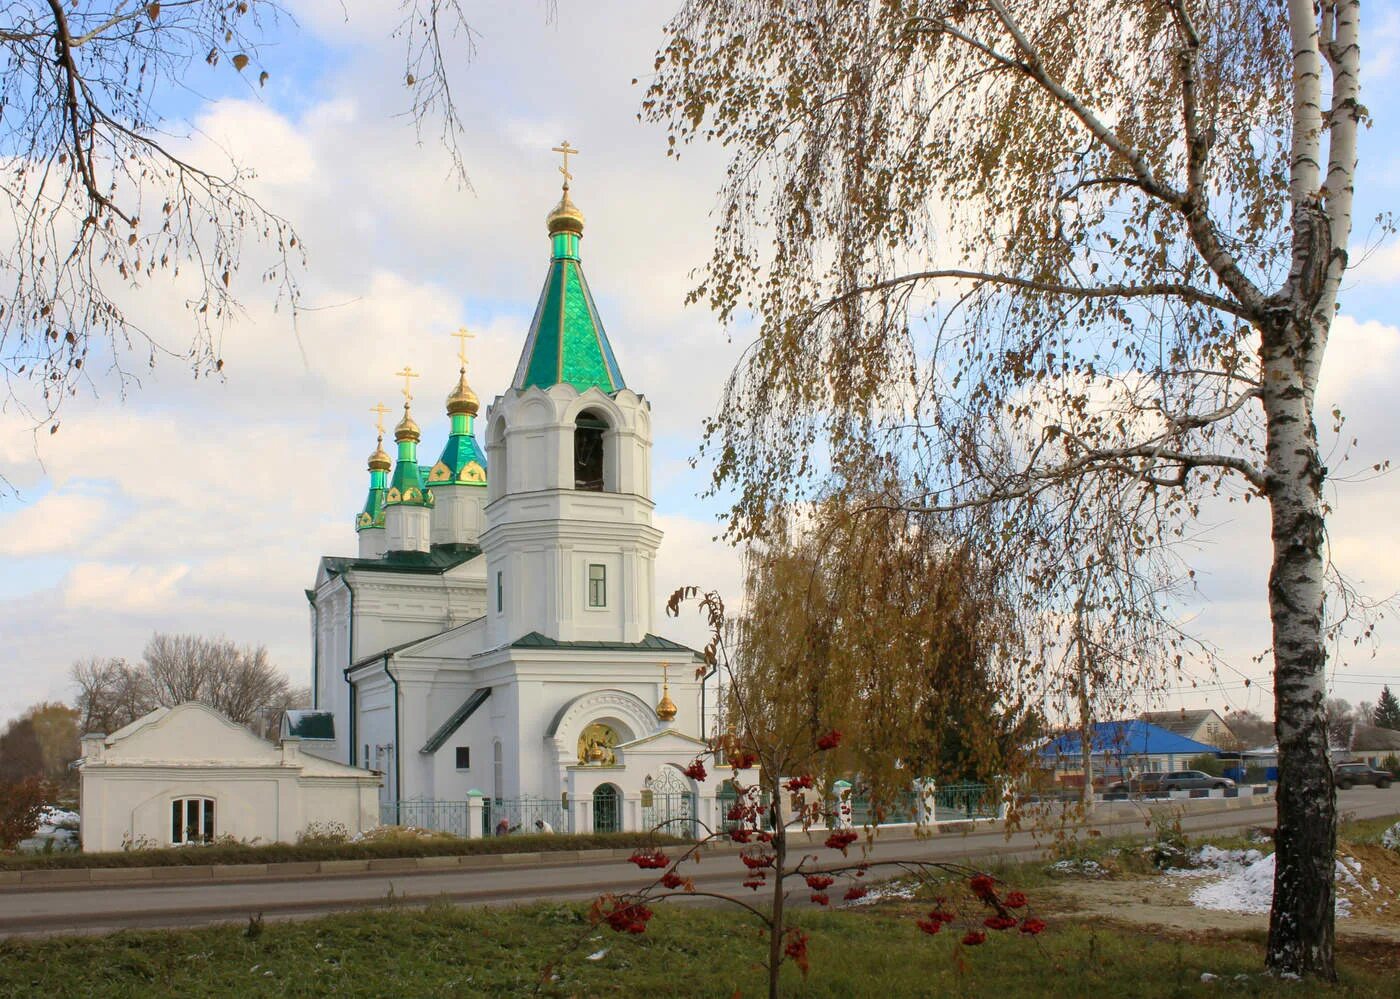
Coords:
373,513
651,643
567,343
455,720
462,462
437,561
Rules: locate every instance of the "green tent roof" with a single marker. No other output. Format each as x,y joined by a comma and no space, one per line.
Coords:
567,342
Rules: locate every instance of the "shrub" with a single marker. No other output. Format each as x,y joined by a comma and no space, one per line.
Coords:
1392,764
1207,763
21,803
323,834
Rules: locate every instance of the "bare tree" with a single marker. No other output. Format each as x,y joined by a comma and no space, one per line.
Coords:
100,197
1072,266
111,694
1342,719
240,682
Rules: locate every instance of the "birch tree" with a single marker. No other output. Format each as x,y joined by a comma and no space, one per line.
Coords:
1072,267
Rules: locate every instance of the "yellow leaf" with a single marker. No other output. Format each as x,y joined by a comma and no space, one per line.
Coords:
153,10
239,61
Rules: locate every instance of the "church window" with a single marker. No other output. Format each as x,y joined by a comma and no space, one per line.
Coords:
588,452
464,758
191,820
497,771
597,586
500,592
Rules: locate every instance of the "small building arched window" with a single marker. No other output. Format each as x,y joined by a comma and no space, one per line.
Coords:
191,820
589,432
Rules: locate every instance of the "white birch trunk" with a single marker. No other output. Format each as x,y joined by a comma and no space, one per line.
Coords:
1302,920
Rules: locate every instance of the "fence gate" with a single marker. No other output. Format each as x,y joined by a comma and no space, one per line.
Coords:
668,806
607,809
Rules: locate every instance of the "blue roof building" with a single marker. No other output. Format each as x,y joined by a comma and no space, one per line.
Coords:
1124,745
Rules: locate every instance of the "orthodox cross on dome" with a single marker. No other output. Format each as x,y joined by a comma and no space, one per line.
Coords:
567,151
407,374
379,412
463,335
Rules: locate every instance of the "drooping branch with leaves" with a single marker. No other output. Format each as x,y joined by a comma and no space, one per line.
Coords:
105,192
1072,267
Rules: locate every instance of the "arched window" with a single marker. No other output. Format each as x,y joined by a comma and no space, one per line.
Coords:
589,431
192,820
497,772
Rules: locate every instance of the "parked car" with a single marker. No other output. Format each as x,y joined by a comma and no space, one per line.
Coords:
1141,783
1191,780
1351,774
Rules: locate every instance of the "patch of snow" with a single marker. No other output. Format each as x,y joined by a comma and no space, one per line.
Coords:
1206,976
1211,860
1247,884
903,890
1390,839
1080,868
598,955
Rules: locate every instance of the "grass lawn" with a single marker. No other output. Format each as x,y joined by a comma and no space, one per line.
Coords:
687,951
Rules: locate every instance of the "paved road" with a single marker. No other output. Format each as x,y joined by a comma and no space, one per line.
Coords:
34,911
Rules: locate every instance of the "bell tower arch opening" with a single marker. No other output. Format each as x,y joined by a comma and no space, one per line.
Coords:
590,441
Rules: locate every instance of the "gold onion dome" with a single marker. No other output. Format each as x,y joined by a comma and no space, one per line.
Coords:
565,217
380,460
463,399
666,710
407,430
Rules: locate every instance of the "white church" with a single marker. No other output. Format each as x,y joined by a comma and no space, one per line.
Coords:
495,644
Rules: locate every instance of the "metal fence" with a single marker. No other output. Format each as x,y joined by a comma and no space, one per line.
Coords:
499,816
525,815
438,816
965,801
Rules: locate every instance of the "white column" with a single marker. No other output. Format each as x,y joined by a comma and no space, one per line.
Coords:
476,815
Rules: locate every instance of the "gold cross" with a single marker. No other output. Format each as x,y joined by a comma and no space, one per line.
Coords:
568,151
380,410
463,336
406,374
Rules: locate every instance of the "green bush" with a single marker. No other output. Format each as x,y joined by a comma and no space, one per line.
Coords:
383,843
1392,764
1207,763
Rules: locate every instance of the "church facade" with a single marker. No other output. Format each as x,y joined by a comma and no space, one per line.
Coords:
495,636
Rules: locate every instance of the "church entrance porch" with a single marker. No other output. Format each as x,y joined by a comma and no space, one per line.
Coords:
607,809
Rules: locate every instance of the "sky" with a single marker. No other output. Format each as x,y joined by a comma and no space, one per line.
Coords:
202,505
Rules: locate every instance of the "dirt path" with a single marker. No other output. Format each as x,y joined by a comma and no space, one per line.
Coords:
1164,901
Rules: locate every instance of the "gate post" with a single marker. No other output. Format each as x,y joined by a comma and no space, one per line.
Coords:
631,817
475,815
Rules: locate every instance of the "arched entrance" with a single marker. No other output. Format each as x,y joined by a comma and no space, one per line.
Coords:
668,804
607,809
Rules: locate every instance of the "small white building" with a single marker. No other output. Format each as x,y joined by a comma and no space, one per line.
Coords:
189,775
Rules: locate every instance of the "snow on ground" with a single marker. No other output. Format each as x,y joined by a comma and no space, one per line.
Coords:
886,891
1080,868
1244,881
1390,839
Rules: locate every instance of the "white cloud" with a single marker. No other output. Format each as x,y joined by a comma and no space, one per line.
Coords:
57,523
111,587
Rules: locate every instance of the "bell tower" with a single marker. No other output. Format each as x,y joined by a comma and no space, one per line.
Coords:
569,540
